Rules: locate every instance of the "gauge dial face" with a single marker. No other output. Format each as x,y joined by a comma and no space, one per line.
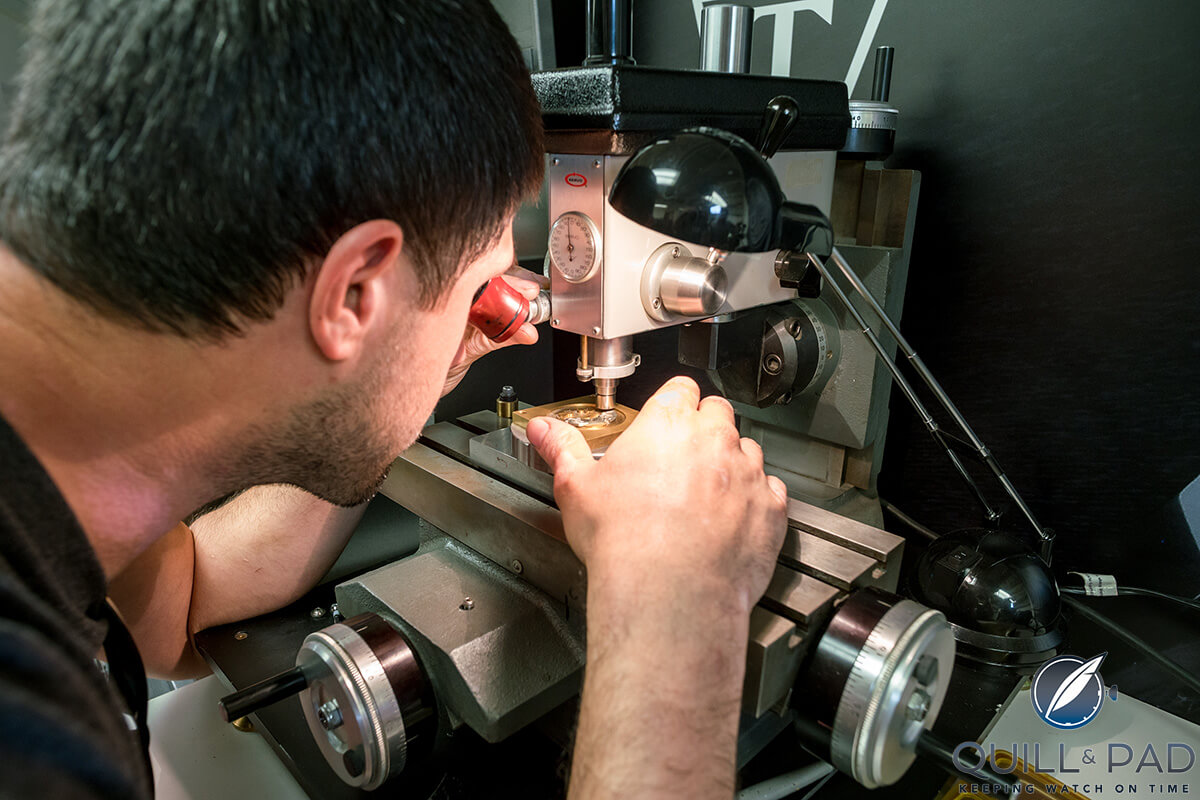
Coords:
575,246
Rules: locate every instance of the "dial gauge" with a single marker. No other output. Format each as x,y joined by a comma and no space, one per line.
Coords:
575,246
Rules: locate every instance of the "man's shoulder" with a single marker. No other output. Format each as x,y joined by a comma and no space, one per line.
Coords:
62,728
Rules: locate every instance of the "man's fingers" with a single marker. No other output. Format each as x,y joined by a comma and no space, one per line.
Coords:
678,394
717,409
528,288
779,488
563,446
753,451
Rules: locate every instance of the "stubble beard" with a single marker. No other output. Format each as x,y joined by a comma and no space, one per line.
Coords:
335,447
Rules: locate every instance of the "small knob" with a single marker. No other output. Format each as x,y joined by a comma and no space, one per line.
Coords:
693,287
778,120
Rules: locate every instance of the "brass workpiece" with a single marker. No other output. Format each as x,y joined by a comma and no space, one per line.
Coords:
599,428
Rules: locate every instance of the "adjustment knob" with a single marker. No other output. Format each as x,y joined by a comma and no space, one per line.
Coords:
677,284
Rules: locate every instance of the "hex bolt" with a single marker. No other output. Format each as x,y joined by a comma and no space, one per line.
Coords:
329,714
517,566
241,636
317,613
918,706
467,604
773,364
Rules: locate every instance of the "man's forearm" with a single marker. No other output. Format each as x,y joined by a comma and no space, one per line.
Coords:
262,550
660,705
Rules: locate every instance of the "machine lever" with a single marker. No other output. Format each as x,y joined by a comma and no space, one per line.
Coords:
985,455
778,120
262,694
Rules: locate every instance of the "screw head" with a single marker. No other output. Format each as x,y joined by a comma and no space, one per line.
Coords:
241,636
597,163
674,252
795,329
517,566
772,364
317,613
329,714
596,329
467,604
656,303
554,323
554,161
918,706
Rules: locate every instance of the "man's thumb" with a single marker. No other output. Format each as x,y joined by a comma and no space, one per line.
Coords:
563,447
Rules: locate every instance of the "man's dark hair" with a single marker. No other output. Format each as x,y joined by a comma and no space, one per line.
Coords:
181,164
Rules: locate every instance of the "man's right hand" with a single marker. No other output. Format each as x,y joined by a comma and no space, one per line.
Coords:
679,507
679,528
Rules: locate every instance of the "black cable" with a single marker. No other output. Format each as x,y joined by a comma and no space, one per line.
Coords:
908,521
1124,591
1134,641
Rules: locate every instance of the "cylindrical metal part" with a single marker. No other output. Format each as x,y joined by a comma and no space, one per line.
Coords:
693,287
604,362
609,32
876,681
262,694
881,86
725,36
506,404
539,308
616,352
606,393
368,703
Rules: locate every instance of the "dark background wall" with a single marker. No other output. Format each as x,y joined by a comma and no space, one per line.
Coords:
1054,278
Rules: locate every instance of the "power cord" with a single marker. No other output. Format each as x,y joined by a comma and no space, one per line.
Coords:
1082,609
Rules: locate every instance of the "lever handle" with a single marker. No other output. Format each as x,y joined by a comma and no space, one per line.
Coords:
262,694
778,120
881,84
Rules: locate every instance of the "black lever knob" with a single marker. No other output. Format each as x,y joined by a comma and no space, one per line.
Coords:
262,694
778,120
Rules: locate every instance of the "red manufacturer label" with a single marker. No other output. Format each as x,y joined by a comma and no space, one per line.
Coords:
575,179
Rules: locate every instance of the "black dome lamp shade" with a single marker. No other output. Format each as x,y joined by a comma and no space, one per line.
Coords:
709,187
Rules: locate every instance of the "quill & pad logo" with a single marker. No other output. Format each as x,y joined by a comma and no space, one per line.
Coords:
1067,692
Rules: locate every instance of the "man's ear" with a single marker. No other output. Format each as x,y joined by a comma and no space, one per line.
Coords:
350,290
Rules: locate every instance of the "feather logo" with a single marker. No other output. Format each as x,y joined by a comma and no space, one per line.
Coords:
1067,692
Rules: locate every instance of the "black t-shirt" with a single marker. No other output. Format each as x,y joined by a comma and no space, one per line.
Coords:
64,729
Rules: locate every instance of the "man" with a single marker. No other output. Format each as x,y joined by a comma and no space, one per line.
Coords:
238,243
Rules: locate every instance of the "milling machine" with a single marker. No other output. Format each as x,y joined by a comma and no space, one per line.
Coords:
663,215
